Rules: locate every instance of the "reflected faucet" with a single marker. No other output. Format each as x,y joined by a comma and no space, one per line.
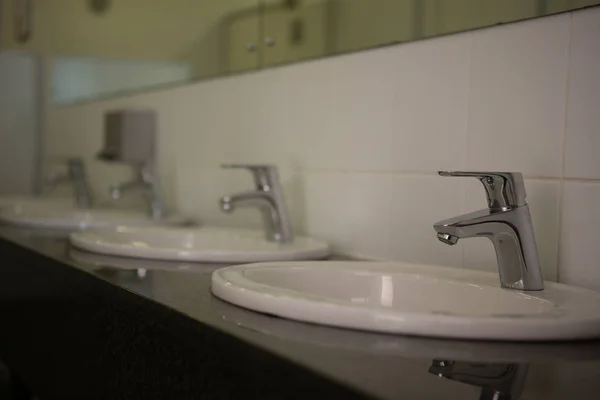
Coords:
268,198
497,381
506,222
77,176
147,181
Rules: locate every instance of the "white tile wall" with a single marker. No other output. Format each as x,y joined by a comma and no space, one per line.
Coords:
363,87
418,202
358,139
430,104
517,101
583,116
579,248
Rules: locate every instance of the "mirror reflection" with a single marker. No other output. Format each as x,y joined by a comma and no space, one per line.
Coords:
497,381
100,48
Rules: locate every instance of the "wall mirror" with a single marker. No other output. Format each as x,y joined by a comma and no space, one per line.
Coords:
105,48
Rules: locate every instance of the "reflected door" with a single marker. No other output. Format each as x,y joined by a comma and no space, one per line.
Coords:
554,6
241,36
293,31
360,24
447,16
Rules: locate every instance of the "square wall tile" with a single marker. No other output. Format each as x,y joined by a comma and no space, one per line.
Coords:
350,210
357,134
295,113
543,197
276,116
579,250
430,106
217,123
418,202
518,94
583,118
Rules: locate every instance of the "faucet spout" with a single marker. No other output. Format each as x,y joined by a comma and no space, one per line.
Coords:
147,182
265,203
509,228
511,234
250,198
466,226
267,198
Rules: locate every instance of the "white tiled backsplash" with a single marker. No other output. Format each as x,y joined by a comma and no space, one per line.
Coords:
358,139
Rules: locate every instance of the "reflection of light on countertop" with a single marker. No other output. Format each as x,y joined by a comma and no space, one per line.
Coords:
139,244
475,286
387,291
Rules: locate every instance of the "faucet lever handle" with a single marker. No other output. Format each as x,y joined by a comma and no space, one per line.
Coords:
265,175
503,189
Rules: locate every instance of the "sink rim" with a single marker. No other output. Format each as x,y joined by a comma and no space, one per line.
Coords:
390,345
303,248
231,284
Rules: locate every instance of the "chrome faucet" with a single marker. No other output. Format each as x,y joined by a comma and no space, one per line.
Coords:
147,181
268,198
506,222
76,175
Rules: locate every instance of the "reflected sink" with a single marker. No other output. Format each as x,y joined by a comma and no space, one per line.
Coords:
411,299
205,244
84,258
64,216
10,200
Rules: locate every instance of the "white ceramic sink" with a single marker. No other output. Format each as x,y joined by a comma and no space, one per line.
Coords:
410,299
65,216
204,244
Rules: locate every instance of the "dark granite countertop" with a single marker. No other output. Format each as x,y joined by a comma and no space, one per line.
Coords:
81,325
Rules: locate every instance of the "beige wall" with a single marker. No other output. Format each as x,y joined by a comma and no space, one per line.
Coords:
562,5
362,24
131,29
190,30
186,29
444,16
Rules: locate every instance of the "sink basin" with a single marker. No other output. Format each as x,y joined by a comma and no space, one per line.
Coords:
205,244
65,216
410,299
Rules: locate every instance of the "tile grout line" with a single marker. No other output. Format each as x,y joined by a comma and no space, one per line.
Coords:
408,174
391,193
561,194
466,143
